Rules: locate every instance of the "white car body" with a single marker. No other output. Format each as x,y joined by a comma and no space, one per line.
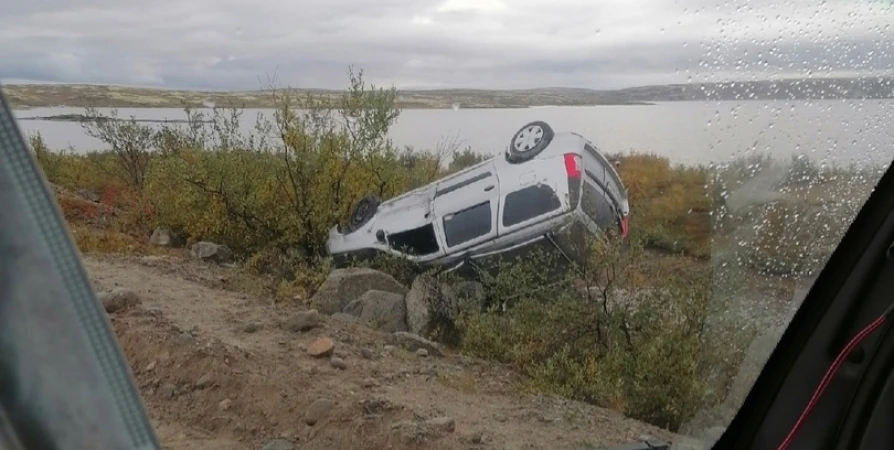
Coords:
496,206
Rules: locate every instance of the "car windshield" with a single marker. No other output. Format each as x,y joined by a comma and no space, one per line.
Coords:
269,292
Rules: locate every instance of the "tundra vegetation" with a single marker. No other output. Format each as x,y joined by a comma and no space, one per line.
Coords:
639,328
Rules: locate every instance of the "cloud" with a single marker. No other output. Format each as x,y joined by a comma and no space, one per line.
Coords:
229,44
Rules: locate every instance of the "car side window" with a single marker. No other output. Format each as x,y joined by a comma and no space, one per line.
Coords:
418,241
468,224
528,203
597,206
603,175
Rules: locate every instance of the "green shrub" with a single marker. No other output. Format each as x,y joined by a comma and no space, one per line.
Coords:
615,344
669,205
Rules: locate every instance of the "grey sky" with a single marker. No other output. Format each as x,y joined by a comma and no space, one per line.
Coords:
230,44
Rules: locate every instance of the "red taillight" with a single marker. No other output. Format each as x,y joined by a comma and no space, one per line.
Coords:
624,226
572,165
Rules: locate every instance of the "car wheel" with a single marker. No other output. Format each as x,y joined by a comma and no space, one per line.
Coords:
529,141
366,208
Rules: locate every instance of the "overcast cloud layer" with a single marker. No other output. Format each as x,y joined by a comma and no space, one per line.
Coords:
602,44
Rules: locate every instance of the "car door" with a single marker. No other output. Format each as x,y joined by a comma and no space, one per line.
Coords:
465,206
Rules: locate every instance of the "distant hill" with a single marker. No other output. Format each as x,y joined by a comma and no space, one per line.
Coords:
789,89
35,95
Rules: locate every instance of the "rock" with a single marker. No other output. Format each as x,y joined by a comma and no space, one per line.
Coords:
278,444
418,301
413,342
338,363
441,424
381,310
342,286
167,390
345,318
164,237
422,353
303,321
184,339
318,411
408,431
209,251
118,299
321,347
477,438
225,404
204,382
366,353
251,327
376,406
427,301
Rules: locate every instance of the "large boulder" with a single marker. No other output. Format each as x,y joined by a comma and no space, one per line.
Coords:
209,251
164,237
343,286
429,302
118,299
418,303
381,310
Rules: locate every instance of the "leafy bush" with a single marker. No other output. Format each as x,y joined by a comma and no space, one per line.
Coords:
669,206
614,343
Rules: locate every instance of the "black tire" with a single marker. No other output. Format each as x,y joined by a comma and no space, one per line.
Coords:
529,141
366,208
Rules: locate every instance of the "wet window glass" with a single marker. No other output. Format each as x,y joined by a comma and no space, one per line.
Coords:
528,203
468,224
597,206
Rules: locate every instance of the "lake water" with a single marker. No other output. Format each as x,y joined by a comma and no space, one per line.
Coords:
686,132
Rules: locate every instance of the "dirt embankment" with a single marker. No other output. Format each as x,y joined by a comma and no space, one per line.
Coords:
217,371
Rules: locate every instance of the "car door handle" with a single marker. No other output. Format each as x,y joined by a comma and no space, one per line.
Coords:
489,188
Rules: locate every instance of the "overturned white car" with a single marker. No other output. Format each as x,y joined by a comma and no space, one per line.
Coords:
547,189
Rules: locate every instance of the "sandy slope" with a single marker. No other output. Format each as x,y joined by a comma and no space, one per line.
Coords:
208,383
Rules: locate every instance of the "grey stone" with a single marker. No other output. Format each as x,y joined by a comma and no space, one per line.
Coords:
442,424
251,327
184,339
342,286
164,237
422,353
381,310
209,251
204,382
338,363
418,301
279,444
318,410
303,321
345,318
167,390
118,299
413,342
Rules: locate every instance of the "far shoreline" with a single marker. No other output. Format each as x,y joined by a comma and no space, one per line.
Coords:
82,118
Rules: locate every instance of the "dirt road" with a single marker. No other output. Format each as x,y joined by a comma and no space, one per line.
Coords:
217,372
